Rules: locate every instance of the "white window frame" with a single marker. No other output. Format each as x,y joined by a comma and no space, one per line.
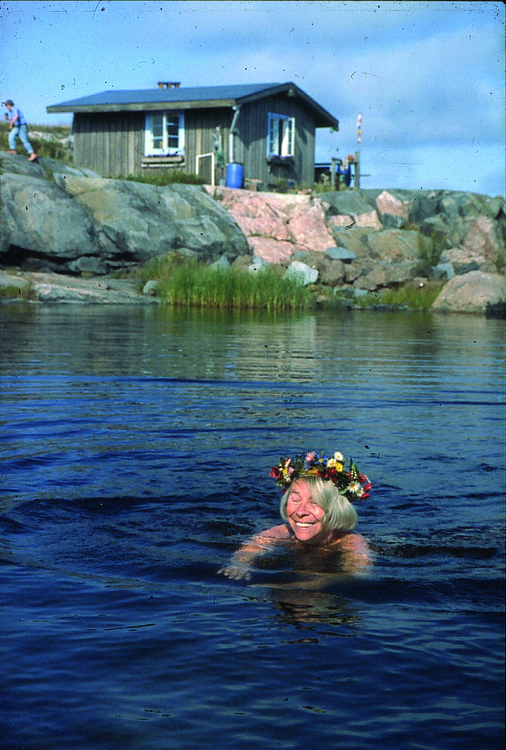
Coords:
163,149
280,136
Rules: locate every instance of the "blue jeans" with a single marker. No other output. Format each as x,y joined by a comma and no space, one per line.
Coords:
21,132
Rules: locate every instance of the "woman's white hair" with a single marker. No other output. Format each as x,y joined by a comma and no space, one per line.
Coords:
340,515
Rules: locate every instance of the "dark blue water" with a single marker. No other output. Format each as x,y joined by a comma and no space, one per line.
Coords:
135,451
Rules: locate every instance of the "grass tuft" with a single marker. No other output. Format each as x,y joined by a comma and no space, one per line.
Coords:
409,296
161,177
431,248
23,292
188,283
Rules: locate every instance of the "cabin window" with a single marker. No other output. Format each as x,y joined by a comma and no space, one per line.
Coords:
164,133
280,135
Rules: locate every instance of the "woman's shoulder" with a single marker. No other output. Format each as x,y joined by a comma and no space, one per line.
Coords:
357,552
273,534
353,542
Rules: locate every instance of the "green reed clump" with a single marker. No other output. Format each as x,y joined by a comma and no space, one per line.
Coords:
192,284
25,292
431,248
414,297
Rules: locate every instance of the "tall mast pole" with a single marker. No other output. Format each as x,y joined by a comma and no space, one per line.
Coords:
357,154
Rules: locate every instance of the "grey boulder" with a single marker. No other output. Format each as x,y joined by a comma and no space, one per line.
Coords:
301,272
42,222
136,222
59,218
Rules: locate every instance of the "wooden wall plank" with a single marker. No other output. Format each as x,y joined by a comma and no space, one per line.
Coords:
112,143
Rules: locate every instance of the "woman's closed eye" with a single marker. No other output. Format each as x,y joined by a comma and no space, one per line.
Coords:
297,499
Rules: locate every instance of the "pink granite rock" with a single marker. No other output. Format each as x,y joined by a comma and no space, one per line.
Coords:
255,215
307,227
389,204
277,225
481,238
341,220
369,220
460,257
274,251
471,293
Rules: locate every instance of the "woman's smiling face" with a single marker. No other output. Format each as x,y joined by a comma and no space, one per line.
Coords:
304,515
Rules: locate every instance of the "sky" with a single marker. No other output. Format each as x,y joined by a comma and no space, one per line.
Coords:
428,78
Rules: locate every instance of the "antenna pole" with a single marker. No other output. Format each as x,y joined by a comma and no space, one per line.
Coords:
357,153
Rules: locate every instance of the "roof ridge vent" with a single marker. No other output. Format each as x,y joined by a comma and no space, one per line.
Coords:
169,84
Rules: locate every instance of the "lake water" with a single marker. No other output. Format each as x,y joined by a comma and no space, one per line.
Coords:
136,445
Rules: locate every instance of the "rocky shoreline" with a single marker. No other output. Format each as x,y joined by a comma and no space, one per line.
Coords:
66,235
28,287
33,287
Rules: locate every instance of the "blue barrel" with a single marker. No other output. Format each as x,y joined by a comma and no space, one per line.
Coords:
235,175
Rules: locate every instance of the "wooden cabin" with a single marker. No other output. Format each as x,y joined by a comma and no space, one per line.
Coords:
266,130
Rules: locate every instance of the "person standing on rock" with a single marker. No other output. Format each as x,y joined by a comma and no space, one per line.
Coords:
18,129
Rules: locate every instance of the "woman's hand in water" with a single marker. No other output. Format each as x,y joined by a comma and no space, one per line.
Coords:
240,564
236,571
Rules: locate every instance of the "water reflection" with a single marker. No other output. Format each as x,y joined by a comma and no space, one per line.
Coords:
304,348
306,585
302,608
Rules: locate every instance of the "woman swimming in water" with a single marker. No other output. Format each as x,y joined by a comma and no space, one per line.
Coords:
317,509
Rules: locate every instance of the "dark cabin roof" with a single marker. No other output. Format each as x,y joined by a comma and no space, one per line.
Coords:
200,97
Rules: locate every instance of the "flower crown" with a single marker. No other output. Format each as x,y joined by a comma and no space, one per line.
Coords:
352,484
